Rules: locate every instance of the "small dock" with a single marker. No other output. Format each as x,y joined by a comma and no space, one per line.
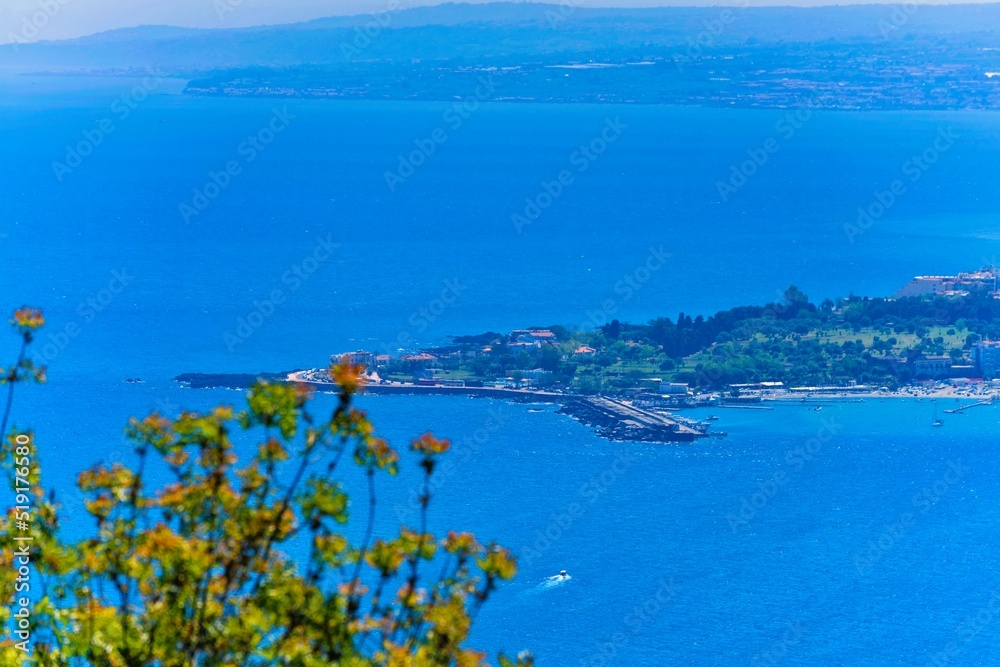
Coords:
959,410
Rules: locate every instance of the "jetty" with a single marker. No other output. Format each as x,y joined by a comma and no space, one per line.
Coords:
617,420
612,418
969,406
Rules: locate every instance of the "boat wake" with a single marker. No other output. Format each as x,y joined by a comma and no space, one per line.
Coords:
549,583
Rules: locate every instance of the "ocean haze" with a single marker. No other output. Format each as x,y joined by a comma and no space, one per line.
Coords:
75,18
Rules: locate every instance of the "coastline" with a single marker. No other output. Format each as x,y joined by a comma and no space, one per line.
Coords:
384,387
613,419
915,393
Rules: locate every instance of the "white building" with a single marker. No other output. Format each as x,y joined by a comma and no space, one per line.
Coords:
366,359
987,357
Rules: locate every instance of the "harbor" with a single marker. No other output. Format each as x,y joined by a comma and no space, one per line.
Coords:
612,418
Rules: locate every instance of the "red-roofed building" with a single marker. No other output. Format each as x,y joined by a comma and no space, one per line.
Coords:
534,336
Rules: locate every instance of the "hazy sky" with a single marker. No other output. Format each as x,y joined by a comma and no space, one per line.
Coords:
59,19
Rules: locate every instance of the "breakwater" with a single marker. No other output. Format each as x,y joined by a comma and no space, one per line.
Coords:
611,418
617,420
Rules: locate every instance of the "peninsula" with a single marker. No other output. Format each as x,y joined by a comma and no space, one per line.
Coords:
937,336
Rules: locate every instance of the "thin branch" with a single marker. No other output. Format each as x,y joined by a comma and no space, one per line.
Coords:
369,529
11,381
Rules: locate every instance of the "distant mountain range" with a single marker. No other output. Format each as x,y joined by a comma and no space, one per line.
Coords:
850,57
499,30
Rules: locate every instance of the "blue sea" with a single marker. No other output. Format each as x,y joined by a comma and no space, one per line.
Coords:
856,535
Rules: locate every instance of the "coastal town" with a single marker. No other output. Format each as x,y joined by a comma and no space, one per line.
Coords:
945,345
861,74
937,338
630,382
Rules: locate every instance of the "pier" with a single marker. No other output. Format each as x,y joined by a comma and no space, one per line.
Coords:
612,418
959,410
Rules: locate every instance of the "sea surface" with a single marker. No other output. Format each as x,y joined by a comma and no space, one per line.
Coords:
803,538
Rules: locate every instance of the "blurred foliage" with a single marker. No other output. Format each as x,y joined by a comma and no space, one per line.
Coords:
197,572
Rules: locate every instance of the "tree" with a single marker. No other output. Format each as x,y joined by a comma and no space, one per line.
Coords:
795,297
197,573
550,358
613,330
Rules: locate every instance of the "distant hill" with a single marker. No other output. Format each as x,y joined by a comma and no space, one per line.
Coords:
855,57
146,33
520,31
